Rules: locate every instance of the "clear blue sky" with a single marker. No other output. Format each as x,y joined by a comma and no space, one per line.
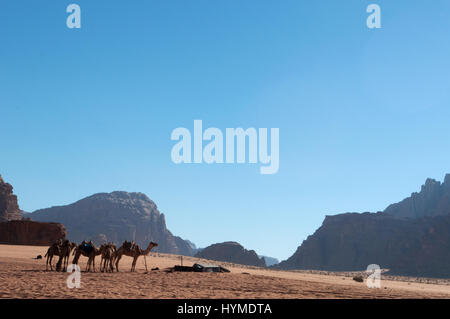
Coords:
363,114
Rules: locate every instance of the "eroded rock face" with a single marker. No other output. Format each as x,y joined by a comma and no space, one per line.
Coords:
115,217
432,200
21,232
9,209
410,238
231,252
15,231
351,242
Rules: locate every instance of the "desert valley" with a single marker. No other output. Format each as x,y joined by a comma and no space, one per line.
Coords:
24,277
409,238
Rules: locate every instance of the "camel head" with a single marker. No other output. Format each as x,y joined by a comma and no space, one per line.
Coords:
150,247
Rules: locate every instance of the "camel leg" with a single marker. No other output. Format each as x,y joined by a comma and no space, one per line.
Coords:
133,265
111,262
67,261
51,267
66,264
117,262
46,263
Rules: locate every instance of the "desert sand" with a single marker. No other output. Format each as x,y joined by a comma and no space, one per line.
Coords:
21,276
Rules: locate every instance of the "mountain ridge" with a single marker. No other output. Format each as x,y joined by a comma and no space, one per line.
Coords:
411,237
231,251
115,216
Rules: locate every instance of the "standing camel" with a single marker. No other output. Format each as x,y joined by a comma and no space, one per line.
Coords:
65,250
131,250
53,250
107,261
89,250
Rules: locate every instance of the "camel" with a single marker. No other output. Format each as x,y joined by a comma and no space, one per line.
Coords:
107,261
65,249
89,250
131,250
53,250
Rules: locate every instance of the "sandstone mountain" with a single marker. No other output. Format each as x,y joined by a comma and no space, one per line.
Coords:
432,200
231,252
410,238
116,217
15,231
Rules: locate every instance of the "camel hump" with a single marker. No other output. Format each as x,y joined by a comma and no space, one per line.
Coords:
87,247
127,245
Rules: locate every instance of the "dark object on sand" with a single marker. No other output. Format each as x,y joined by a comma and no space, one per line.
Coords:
38,257
209,268
358,278
156,268
200,268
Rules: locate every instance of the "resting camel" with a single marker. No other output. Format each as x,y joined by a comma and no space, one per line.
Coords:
131,250
89,250
107,261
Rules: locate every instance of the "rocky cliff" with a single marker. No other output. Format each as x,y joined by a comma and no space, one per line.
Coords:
116,217
410,238
15,231
9,209
432,200
231,252
21,232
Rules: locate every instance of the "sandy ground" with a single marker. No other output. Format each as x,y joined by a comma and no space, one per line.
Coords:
21,276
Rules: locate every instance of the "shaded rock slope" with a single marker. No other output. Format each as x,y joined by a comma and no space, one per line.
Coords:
231,252
116,217
410,238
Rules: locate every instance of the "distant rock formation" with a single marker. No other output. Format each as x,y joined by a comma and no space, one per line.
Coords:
231,252
15,231
410,238
270,261
9,209
433,200
21,232
115,217
193,247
